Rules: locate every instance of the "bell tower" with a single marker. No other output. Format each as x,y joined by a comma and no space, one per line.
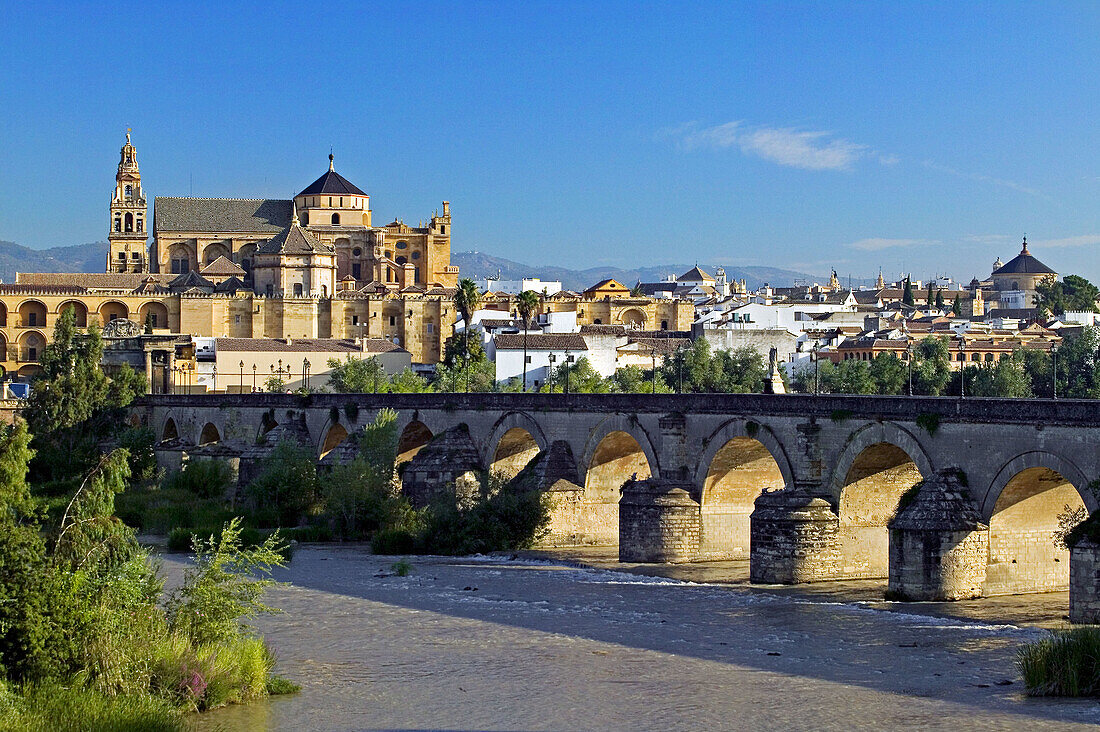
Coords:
128,236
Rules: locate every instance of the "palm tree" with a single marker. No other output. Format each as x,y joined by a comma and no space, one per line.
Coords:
467,298
527,303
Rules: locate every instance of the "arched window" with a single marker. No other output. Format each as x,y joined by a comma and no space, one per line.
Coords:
129,222
357,252
402,245
389,275
1015,285
443,229
416,275
297,289
129,191
140,225
118,223
336,219
402,260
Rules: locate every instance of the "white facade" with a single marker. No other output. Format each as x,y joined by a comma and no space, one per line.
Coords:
509,363
514,287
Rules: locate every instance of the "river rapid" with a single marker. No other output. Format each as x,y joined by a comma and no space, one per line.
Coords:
542,643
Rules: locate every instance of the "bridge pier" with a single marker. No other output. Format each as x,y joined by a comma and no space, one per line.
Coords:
939,547
659,521
1084,581
794,538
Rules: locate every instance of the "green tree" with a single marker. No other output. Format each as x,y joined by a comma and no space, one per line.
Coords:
940,304
956,307
1074,293
889,374
1037,365
929,297
907,293
579,377
740,371
849,377
931,366
1006,377
408,382
90,537
74,405
464,362
286,488
1077,361
357,376
467,298
633,380
527,303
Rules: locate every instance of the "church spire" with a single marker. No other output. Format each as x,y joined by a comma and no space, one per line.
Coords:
1024,251
330,158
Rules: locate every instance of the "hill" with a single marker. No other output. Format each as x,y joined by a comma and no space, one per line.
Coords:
478,266
79,258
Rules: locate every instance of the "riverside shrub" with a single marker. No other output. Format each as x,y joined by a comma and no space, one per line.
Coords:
1065,663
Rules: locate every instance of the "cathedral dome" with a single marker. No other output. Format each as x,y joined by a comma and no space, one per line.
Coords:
331,183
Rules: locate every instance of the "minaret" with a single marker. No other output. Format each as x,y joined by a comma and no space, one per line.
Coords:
880,283
128,235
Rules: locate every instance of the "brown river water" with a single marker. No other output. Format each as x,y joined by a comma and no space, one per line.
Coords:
578,642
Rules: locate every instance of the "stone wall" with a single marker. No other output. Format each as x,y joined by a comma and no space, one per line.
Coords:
794,539
659,521
1084,585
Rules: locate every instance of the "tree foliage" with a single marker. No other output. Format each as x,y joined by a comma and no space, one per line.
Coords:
1073,293
740,371
74,405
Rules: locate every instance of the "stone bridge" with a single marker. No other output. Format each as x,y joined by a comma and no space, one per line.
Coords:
805,486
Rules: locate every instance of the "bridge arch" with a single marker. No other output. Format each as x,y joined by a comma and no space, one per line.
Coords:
169,431
620,423
1024,506
738,463
514,441
414,435
333,436
878,464
209,434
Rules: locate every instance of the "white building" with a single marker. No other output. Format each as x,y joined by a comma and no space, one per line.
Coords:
514,287
544,352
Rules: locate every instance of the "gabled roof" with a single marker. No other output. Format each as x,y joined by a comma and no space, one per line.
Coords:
221,267
540,342
231,285
151,286
609,283
294,240
227,215
696,275
190,279
332,182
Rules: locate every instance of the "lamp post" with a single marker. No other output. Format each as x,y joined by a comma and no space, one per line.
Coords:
909,358
1054,370
242,374
565,367
253,377
552,358
215,377
962,370
653,371
680,369
305,371
817,369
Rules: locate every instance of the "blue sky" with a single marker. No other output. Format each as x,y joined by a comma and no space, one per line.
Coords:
914,137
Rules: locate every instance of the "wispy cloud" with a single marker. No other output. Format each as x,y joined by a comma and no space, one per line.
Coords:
1085,240
989,238
795,148
981,178
878,244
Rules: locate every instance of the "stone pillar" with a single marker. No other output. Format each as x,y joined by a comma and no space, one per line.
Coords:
149,371
939,548
793,538
673,444
659,521
1084,581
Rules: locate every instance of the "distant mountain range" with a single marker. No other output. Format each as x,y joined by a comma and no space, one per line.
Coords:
80,258
476,265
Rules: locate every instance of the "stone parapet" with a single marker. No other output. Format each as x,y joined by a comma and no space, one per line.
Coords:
793,539
659,521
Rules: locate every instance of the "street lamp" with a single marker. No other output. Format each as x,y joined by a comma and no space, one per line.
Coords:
680,368
653,372
565,367
553,359
909,358
305,371
962,370
1054,371
215,377
253,377
242,374
817,368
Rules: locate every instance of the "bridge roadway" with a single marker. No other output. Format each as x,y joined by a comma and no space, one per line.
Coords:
703,463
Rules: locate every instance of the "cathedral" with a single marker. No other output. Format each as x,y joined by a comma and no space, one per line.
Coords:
320,242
